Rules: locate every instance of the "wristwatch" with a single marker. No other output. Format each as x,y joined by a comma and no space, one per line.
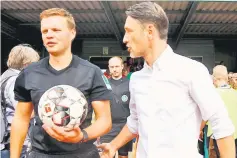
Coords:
85,136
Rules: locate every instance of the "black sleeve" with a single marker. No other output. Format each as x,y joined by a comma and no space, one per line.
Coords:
101,89
21,93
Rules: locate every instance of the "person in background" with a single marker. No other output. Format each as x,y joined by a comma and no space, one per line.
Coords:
119,105
229,96
19,58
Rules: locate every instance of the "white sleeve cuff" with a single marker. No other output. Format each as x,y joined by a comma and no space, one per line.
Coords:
132,125
221,125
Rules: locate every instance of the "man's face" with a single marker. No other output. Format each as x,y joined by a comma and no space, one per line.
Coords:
57,36
135,38
115,67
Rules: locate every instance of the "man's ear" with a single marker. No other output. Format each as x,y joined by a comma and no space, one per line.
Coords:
150,31
74,32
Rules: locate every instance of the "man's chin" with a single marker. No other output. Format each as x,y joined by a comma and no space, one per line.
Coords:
53,52
132,55
115,76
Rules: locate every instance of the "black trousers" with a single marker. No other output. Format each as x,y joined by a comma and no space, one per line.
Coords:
236,147
90,152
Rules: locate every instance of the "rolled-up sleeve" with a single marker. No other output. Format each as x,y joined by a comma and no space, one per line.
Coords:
132,120
210,103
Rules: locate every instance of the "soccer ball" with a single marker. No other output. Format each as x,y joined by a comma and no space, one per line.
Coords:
64,106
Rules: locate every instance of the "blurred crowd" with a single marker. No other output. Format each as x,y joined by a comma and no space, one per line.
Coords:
232,79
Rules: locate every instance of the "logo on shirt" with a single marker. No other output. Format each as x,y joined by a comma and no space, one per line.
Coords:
124,98
106,81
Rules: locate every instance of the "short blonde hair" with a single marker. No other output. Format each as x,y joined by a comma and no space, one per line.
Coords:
21,55
220,72
59,12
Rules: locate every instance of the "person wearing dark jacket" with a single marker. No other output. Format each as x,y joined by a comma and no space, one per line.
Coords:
119,104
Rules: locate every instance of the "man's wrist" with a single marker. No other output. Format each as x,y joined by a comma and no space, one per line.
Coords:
84,136
114,145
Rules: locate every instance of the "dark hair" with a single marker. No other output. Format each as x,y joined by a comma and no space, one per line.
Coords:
149,12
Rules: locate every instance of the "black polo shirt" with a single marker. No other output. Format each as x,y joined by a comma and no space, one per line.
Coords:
40,76
121,97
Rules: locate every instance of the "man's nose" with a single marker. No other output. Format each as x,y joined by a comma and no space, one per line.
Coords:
125,39
49,34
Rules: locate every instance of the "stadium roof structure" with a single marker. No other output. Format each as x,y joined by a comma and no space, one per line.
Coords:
105,19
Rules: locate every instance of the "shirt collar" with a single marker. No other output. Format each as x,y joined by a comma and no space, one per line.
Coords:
162,61
15,70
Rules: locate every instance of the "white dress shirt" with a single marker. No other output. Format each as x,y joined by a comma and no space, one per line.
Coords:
168,102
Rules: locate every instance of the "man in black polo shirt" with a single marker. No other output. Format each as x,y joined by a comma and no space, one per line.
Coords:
120,104
60,68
